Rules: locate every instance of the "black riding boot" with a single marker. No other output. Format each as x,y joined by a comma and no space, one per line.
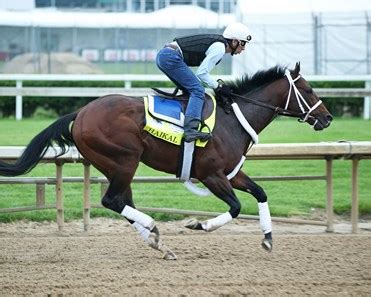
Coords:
191,132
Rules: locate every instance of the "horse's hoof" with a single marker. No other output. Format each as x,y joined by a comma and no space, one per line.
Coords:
267,244
193,224
157,244
169,255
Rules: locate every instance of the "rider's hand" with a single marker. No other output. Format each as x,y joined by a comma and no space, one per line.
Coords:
223,89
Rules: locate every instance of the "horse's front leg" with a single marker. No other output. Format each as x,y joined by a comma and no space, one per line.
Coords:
242,182
220,186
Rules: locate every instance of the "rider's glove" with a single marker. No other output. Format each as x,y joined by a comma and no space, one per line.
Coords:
223,89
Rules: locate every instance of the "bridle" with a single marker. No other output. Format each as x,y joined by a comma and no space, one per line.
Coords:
299,98
303,116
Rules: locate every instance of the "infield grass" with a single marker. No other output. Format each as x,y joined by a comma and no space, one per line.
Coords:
286,198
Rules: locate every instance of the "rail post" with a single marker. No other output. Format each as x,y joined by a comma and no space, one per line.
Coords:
330,199
40,194
19,102
86,213
103,188
367,102
59,194
354,210
127,84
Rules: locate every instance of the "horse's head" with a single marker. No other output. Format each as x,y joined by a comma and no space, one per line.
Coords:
302,99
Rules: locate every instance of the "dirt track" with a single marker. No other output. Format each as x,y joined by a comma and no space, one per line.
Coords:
112,259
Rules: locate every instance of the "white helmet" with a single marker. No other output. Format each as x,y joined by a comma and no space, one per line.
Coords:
237,31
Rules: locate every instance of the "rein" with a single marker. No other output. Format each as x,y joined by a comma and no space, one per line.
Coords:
277,110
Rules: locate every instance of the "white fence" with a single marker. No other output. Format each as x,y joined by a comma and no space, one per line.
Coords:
328,151
19,91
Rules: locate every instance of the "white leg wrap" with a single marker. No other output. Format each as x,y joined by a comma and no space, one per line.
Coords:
215,223
143,232
137,216
265,217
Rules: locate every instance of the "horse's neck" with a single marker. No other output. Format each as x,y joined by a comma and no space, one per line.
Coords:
260,117
235,134
257,116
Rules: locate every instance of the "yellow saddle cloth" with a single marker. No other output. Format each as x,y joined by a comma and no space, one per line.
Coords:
169,128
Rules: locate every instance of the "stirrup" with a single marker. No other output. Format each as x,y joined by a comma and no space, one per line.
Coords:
194,135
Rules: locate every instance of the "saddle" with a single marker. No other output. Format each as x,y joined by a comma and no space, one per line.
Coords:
165,116
183,98
223,102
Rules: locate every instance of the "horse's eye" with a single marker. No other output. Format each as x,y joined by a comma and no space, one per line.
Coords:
309,91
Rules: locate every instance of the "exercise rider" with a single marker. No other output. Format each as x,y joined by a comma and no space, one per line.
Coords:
204,51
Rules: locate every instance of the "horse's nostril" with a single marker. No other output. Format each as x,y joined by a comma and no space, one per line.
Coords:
329,118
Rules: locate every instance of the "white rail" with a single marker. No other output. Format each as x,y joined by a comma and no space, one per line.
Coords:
19,91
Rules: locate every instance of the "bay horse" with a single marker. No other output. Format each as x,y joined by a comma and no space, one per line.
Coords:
108,132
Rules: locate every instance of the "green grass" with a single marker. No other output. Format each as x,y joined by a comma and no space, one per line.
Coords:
289,198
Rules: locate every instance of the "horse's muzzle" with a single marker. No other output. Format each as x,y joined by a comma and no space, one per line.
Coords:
322,121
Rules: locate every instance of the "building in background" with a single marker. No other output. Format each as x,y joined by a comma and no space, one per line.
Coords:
219,6
17,5
119,36
123,36
328,37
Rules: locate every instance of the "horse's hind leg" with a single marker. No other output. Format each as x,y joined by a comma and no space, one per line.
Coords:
107,133
242,182
119,199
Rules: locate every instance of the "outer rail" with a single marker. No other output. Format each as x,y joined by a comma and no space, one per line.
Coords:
327,151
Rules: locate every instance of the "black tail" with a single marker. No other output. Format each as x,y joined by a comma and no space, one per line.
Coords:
58,133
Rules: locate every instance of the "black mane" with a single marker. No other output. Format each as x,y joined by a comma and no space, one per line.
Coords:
246,84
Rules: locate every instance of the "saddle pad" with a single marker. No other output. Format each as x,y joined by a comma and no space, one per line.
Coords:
169,110
168,125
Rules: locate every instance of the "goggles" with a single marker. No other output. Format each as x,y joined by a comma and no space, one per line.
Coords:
243,42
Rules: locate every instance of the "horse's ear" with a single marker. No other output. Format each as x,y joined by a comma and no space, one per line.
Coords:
297,69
